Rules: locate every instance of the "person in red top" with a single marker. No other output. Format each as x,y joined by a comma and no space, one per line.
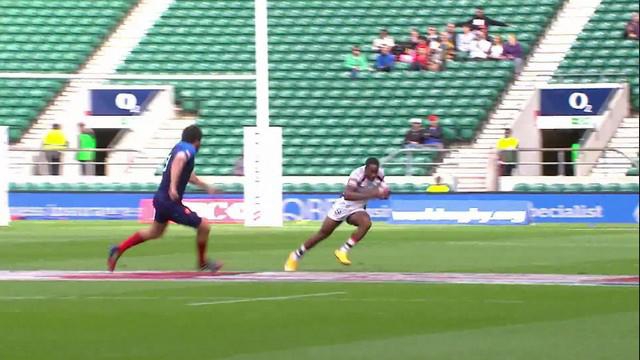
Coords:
421,57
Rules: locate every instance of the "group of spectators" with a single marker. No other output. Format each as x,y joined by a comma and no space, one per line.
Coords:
55,142
418,135
430,51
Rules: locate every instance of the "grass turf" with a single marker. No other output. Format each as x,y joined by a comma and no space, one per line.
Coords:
141,320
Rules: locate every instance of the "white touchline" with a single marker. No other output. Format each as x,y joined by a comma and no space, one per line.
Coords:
273,298
629,229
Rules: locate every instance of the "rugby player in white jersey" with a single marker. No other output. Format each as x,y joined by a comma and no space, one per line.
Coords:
365,183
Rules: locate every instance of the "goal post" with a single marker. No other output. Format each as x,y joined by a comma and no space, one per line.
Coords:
4,177
262,143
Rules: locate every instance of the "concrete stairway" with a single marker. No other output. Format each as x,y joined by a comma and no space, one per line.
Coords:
157,146
627,140
469,164
67,109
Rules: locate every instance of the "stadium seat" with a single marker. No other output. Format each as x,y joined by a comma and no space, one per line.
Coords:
47,36
309,86
601,54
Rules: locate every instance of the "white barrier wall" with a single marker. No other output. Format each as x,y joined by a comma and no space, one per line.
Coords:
526,130
617,111
4,176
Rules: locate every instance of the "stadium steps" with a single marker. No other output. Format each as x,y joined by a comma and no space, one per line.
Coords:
157,146
64,109
601,55
626,139
539,67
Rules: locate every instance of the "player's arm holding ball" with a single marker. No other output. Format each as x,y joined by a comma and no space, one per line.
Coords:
195,180
383,191
351,193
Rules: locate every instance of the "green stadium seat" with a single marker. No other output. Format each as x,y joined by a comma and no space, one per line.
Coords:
593,187
53,36
311,97
574,188
632,187
600,53
555,188
611,187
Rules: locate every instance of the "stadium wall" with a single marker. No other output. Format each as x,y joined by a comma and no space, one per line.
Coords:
544,208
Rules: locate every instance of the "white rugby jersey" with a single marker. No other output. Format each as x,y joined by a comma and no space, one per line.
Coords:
358,179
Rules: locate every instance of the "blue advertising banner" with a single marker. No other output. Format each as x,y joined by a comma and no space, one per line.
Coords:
121,102
575,102
467,212
544,208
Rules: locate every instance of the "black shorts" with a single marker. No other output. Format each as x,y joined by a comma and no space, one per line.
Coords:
167,210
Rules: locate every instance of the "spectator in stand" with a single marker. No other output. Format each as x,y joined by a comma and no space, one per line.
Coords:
87,145
432,34
408,56
481,22
448,46
421,58
385,60
497,50
480,47
414,38
507,152
513,51
53,143
632,30
415,135
355,62
238,167
383,41
437,53
452,35
434,134
438,186
410,44
464,40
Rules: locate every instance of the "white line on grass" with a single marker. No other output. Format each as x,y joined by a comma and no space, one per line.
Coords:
629,229
125,298
273,298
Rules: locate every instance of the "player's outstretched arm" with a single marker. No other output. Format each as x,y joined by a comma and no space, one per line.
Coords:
195,180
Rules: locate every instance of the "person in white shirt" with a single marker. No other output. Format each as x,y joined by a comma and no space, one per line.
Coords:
480,47
365,183
497,51
383,41
464,40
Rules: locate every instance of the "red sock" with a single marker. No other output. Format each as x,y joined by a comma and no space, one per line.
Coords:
133,240
202,252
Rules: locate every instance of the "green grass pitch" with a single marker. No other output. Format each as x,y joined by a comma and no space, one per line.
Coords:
329,321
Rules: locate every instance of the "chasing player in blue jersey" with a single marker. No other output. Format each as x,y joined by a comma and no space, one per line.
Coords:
177,172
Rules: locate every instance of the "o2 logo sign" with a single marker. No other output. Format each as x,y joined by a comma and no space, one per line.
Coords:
121,102
127,102
580,101
575,101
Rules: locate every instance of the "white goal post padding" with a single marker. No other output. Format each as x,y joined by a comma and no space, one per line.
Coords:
4,176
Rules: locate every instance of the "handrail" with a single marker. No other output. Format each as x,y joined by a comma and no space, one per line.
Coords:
18,149
631,160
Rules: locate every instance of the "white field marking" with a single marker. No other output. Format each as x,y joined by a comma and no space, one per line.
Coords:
531,244
273,298
498,301
425,300
12,298
605,229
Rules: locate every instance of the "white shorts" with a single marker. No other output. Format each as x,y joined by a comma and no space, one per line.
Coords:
341,210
